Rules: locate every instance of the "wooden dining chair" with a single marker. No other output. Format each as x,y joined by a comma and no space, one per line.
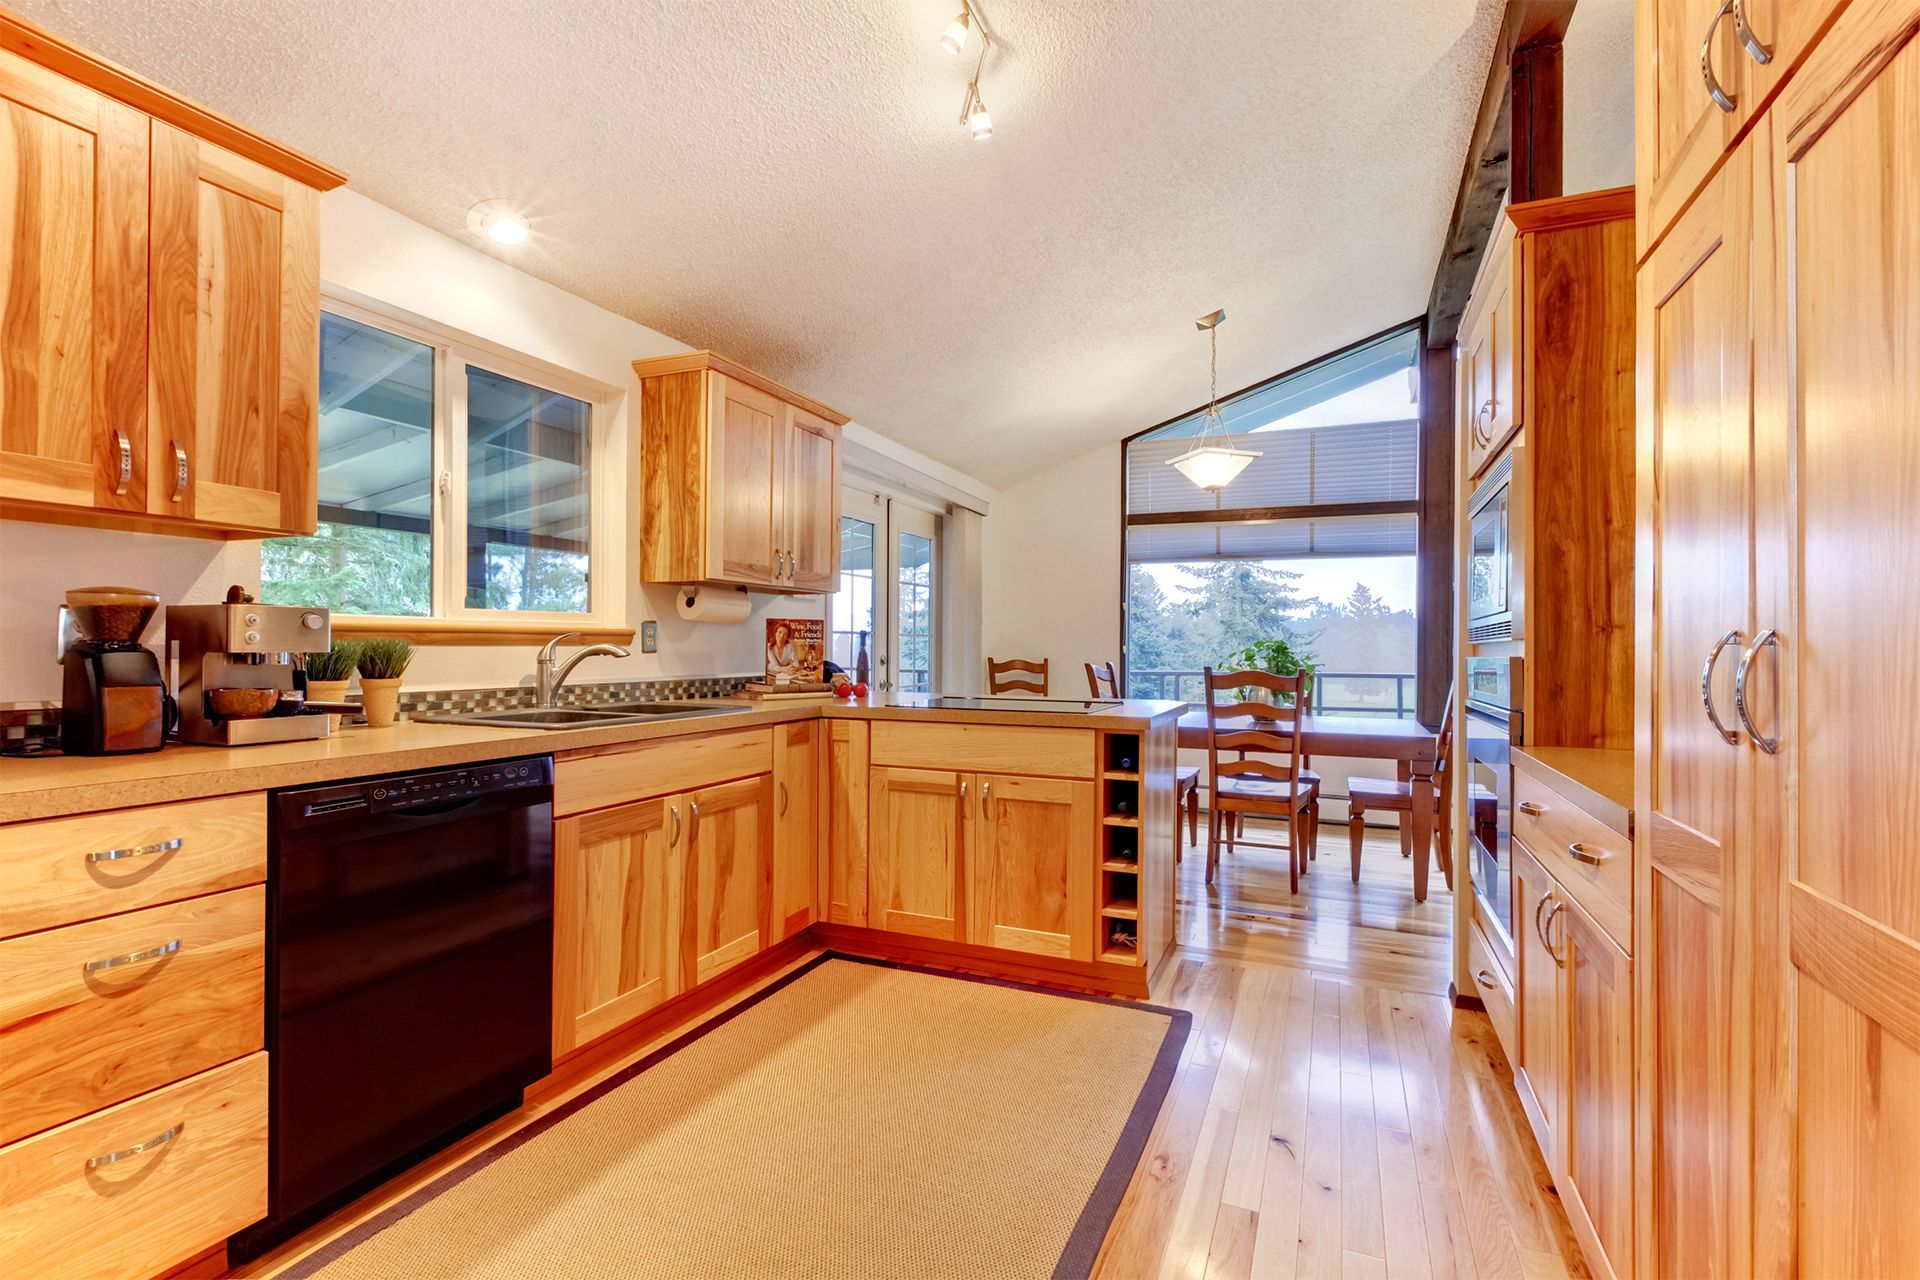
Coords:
1383,796
1238,829
1104,682
1007,677
1257,727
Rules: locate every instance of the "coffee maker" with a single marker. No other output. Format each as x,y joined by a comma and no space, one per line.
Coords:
242,670
112,698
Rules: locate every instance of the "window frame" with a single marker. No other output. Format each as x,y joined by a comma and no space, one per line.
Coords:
451,620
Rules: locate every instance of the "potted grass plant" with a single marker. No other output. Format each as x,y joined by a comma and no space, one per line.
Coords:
382,662
330,672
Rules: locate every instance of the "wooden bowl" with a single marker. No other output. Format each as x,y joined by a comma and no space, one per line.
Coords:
242,704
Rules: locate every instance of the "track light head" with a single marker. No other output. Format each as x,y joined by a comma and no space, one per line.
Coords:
955,38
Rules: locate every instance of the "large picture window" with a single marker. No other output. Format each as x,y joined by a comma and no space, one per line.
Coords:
451,483
1313,542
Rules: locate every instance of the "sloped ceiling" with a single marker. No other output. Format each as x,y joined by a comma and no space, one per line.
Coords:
787,182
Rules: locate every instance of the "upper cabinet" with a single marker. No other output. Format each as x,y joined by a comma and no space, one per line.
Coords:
740,478
1708,69
159,305
1489,339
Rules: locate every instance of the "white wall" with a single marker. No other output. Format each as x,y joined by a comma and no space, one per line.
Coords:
1597,77
370,250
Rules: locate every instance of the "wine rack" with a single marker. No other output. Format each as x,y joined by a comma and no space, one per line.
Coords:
1120,848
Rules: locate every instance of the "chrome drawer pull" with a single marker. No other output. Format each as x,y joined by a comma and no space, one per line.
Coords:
1580,853
1706,684
986,799
1531,808
1721,98
1546,935
157,1140
674,839
1756,48
138,851
1740,673
783,800
181,472
132,957
1485,979
122,462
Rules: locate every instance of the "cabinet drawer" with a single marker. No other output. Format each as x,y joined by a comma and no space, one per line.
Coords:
1592,861
626,774
1491,984
149,1210
984,748
66,869
90,1015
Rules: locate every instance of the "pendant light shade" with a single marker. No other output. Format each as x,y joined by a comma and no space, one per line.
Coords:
1213,462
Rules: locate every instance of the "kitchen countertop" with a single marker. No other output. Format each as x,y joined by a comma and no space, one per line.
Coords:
1598,780
49,786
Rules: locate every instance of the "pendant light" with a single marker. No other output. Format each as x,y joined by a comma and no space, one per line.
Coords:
1212,462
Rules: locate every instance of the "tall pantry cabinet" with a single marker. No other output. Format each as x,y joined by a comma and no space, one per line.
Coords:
1779,716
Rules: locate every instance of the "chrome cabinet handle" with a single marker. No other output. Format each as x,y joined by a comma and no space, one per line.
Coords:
674,839
1740,673
181,472
1485,979
122,462
693,822
131,957
1580,853
1756,50
157,1140
1546,936
1720,97
782,811
138,851
1531,808
1706,684
1538,907
963,794
986,799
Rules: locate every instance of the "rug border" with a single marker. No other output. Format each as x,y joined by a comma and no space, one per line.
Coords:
1083,1242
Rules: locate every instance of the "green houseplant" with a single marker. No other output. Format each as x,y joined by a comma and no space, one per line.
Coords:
329,672
1279,656
382,662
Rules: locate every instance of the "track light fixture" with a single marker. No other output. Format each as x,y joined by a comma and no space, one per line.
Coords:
973,108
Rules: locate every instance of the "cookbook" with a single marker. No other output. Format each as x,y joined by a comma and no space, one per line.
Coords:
795,650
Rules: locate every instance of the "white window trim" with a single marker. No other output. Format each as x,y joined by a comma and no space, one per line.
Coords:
606,492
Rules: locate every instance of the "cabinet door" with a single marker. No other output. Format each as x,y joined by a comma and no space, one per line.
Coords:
742,481
1029,856
234,433
798,826
1594,1174
73,293
1693,546
916,866
728,876
811,496
1541,1024
1839,481
616,916
1679,131
843,854
1490,354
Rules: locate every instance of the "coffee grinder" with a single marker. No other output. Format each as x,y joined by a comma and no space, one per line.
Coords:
112,698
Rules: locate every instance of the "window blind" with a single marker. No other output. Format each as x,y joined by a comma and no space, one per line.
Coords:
1381,535
1357,462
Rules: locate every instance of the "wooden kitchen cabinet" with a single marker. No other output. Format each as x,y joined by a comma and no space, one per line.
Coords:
740,481
1593,1168
799,825
1029,851
844,854
159,357
617,890
916,862
1489,342
73,317
1538,1065
728,876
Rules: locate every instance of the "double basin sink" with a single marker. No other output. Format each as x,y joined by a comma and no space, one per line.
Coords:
582,717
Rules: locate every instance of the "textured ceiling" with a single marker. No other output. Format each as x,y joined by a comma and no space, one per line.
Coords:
786,181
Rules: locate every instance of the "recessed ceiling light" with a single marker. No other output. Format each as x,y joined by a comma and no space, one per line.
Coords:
498,221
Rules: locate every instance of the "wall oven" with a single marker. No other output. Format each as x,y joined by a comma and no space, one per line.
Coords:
1496,580
1495,724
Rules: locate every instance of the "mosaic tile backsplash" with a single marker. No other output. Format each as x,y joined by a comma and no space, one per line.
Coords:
26,725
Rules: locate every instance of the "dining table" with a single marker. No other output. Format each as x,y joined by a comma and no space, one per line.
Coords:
1413,747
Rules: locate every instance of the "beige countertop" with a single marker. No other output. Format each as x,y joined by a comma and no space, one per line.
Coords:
1598,780
44,787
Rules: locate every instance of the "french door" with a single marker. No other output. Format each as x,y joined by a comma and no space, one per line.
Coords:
885,606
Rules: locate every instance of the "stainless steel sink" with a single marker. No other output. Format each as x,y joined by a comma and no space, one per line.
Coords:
577,717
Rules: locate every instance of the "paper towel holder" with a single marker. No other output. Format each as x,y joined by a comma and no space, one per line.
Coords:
713,604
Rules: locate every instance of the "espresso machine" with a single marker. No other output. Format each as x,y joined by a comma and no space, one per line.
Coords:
112,699
241,671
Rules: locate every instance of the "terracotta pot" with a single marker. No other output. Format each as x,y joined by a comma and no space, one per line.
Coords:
381,698
328,691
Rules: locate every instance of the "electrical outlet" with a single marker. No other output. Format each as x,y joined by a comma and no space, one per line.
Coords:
649,637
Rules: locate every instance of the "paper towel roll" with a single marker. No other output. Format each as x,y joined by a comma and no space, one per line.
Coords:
714,604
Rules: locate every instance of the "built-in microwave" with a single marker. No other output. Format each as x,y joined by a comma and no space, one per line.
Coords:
1496,578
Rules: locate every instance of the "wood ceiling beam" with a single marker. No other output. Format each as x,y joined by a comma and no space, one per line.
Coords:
1505,123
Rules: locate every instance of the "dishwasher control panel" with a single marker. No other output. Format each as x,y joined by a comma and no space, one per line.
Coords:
413,789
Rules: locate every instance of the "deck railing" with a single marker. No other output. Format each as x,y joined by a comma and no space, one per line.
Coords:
1344,693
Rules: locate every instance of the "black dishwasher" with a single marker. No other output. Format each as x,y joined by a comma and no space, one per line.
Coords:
409,974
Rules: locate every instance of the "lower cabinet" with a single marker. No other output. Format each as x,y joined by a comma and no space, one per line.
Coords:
799,825
729,873
992,859
1576,1060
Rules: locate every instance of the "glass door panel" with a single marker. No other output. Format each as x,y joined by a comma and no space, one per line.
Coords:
884,612
853,610
914,547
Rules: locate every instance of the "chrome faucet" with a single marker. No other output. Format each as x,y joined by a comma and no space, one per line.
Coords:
547,677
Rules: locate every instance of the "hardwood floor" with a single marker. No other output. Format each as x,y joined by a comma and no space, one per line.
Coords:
1332,1115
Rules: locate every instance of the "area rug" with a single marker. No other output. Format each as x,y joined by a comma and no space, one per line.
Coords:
854,1119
